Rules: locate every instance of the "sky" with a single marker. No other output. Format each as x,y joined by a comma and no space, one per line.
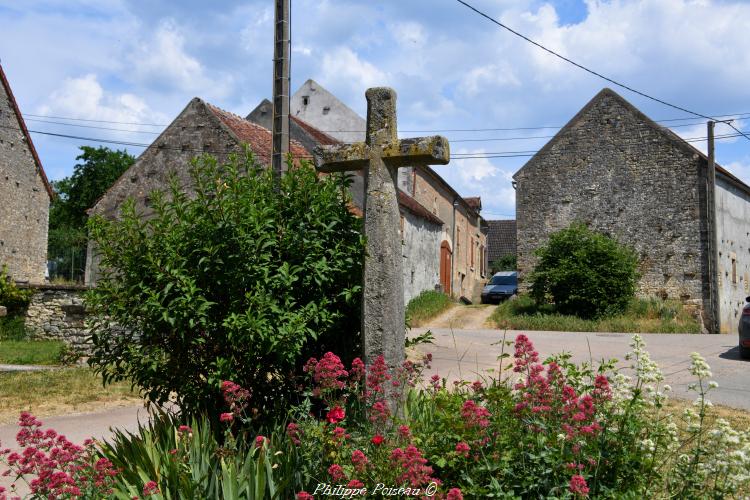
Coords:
139,62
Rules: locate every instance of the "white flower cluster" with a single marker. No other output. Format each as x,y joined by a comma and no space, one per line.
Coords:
699,367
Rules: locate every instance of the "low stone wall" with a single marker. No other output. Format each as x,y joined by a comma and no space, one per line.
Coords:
58,312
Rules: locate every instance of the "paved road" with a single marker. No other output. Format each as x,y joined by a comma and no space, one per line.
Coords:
464,353
77,428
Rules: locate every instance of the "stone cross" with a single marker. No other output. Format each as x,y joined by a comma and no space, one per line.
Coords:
380,156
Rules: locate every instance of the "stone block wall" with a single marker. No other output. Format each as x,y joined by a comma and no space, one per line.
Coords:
615,170
57,312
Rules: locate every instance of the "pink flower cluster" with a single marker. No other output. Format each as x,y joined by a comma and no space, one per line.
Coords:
578,486
413,467
328,373
60,467
475,415
235,396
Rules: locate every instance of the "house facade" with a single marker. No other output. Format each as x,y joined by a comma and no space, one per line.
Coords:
616,170
25,193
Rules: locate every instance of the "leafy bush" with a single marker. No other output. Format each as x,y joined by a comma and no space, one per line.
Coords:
237,281
13,298
504,263
13,328
584,273
425,306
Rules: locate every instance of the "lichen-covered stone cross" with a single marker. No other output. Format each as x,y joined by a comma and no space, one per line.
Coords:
380,156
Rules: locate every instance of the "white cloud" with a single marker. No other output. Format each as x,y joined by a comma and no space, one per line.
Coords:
341,64
409,34
492,75
475,170
164,61
84,97
740,168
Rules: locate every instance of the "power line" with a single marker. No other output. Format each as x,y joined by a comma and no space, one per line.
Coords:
615,82
36,118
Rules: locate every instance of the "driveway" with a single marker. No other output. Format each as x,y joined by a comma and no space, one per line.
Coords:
465,353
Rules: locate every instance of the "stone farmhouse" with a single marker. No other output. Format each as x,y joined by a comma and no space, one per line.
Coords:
621,173
199,128
429,259
25,193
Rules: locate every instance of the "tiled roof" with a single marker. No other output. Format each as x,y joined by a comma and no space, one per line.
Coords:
413,206
319,136
25,131
501,239
258,138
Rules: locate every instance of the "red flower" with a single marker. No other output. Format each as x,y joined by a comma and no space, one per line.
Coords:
463,449
578,486
294,432
303,495
354,483
335,415
336,472
260,441
377,440
359,460
150,488
226,417
184,428
454,494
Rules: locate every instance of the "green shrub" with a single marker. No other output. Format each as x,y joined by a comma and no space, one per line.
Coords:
504,263
13,328
425,306
240,281
584,273
13,298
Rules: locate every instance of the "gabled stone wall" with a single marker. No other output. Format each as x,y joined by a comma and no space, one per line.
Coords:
616,171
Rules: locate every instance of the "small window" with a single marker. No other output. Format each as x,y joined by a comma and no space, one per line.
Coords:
305,100
734,271
326,110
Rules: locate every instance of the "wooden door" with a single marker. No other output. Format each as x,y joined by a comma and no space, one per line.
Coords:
445,267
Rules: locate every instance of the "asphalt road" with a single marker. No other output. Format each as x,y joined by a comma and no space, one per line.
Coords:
465,353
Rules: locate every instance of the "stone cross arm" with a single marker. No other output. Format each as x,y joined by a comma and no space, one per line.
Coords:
414,151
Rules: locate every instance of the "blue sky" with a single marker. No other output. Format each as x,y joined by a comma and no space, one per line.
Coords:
142,61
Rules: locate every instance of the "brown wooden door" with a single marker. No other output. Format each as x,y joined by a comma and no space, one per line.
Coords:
445,267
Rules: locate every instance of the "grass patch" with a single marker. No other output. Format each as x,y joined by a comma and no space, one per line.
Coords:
12,328
30,352
426,306
58,392
641,316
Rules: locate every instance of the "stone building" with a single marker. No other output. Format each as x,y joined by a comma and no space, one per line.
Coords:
614,169
25,195
200,127
459,271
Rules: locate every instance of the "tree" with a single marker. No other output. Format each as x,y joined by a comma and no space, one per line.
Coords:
98,169
584,273
504,263
237,281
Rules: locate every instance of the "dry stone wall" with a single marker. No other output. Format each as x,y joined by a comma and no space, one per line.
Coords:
58,313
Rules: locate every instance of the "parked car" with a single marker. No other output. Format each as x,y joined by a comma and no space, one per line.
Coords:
501,286
744,330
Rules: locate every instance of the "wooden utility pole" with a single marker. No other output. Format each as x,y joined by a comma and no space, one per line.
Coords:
713,258
281,56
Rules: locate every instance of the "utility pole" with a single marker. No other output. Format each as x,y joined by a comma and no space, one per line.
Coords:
713,258
281,55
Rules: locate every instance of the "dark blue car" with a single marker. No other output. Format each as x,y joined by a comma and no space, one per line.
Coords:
502,285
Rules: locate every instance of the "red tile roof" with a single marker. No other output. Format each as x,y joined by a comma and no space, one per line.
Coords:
320,137
22,124
258,138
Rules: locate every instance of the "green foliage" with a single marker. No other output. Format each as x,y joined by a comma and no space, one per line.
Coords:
238,281
30,352
641,316
425,306
98,169
584,273
191,463
13,298
13,328
504,263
